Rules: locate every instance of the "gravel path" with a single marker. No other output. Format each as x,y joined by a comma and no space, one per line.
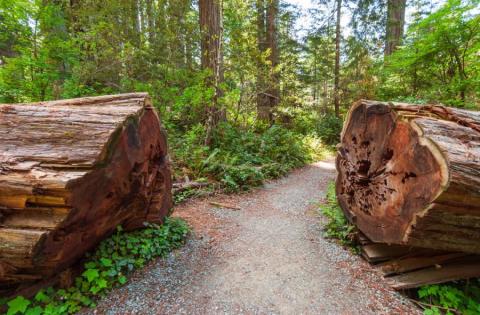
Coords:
267,258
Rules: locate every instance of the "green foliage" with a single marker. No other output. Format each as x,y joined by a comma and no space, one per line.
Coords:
18,305
106,268
439,59
192,192
317,148
329,128
338,226
239,158
461,297
41,57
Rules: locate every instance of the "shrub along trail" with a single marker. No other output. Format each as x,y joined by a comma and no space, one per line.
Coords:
269,257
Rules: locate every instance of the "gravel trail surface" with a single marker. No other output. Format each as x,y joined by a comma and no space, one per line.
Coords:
269,257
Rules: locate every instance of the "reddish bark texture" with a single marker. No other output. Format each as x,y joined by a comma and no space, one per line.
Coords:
70,172
408,175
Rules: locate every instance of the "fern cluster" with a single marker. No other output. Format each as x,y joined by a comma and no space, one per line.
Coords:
338,226
240,158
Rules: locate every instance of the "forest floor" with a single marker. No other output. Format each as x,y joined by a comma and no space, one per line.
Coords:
269,257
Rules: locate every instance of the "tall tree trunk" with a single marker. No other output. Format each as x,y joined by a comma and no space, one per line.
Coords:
337,59
263,109
315,85
325,97
395,25
150,21
137,30
272,42
159,44
211,48
268,79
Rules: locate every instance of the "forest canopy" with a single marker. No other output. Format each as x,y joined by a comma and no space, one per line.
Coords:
59,49
217,69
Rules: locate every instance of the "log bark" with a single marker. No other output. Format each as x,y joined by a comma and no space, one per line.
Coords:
410,174
70,172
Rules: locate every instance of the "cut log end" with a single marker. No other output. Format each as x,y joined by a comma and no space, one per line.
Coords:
409,175
388,172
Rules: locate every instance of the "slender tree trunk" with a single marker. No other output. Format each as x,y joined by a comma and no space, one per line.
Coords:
150,21
395,25
315,85
337,59
160,31
268,79
136,17
461,73
325,97
272,42
263,109
211,48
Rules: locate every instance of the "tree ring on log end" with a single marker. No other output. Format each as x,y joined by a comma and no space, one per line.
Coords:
388,172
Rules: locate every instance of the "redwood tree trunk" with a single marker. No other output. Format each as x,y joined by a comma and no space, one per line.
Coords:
71,171
395,25
410,174
263,106
272,43
212,57
268,77
337,59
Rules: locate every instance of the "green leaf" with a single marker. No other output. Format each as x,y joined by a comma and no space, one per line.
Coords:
102,283
90,265
91,274
41,297
122,280
106,262
18,305
38,310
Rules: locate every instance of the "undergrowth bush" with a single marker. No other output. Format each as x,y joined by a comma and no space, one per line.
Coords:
461,297
318,150
239,158
106,268
338,226
329,128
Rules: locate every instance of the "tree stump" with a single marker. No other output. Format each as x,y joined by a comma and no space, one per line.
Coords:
71,171
410,174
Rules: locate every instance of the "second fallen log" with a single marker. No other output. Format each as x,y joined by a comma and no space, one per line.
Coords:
410,175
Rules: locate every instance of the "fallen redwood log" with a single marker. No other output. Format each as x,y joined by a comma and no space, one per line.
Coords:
410,175
70,172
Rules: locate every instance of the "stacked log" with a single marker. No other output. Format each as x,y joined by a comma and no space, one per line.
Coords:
71,171
409,179
406,267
